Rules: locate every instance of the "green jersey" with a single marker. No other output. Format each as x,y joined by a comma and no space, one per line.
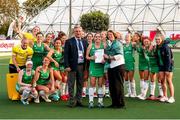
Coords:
152,60
38,55
57,56
44,77
143,62
129,57
96,69
27,79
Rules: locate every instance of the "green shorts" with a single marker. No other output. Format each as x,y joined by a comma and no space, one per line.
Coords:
143,65
129,66
154,69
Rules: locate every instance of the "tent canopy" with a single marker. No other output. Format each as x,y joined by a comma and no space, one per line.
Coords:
138,15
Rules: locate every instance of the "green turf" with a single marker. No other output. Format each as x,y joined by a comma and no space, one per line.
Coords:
135,108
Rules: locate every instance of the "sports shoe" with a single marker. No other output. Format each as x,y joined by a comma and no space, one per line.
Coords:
55,97
91,104
64,98
163,99
95,94
83,94
100,105
36,100
25,101
132,95
46,99
107,95
67,96
141,96
171,100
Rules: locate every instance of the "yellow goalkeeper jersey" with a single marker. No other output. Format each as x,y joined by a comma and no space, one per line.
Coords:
21,55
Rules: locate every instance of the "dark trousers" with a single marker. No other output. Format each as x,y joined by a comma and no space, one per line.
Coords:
13,69
78,77
116,86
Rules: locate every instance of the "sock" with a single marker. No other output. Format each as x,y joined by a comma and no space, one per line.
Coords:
141,85
133,87
160,89
25,94
95,92
146,86
100,95
91,94
58,82
107,90
104,89
94,89
42,93
84,90
152,88
127,84
63,88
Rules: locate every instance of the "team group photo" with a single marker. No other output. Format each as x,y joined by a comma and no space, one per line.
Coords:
99,67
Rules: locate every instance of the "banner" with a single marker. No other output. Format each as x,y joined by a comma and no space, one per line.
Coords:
7,45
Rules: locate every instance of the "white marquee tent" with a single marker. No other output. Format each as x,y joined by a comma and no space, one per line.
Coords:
138,15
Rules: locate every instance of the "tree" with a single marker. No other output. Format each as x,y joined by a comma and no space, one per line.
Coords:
94,21
33,7
9,10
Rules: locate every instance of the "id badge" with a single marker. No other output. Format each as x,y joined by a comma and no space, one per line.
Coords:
80,55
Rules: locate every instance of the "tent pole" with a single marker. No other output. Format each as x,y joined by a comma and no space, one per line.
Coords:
70,20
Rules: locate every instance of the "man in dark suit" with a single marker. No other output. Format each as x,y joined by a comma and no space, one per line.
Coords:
74,61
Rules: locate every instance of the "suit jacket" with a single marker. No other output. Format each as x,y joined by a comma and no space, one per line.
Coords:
71,53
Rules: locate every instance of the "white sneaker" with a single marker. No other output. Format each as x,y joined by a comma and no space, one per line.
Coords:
36,100
141,97
171,100
163,99
46,99
107,95
132,95
127,95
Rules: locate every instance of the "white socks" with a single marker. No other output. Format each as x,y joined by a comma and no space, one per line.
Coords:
91,94
141,85
128,86
84,90
104,89
152,88
100,95
145,89
133,88
160,89
63,88
25,94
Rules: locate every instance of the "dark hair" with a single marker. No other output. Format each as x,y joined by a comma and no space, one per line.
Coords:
61,34
139,35
111,31
39,34
48,34
56,39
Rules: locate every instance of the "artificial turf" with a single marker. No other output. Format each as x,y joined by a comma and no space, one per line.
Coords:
135,108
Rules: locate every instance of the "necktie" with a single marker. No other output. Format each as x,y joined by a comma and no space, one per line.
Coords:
79,44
